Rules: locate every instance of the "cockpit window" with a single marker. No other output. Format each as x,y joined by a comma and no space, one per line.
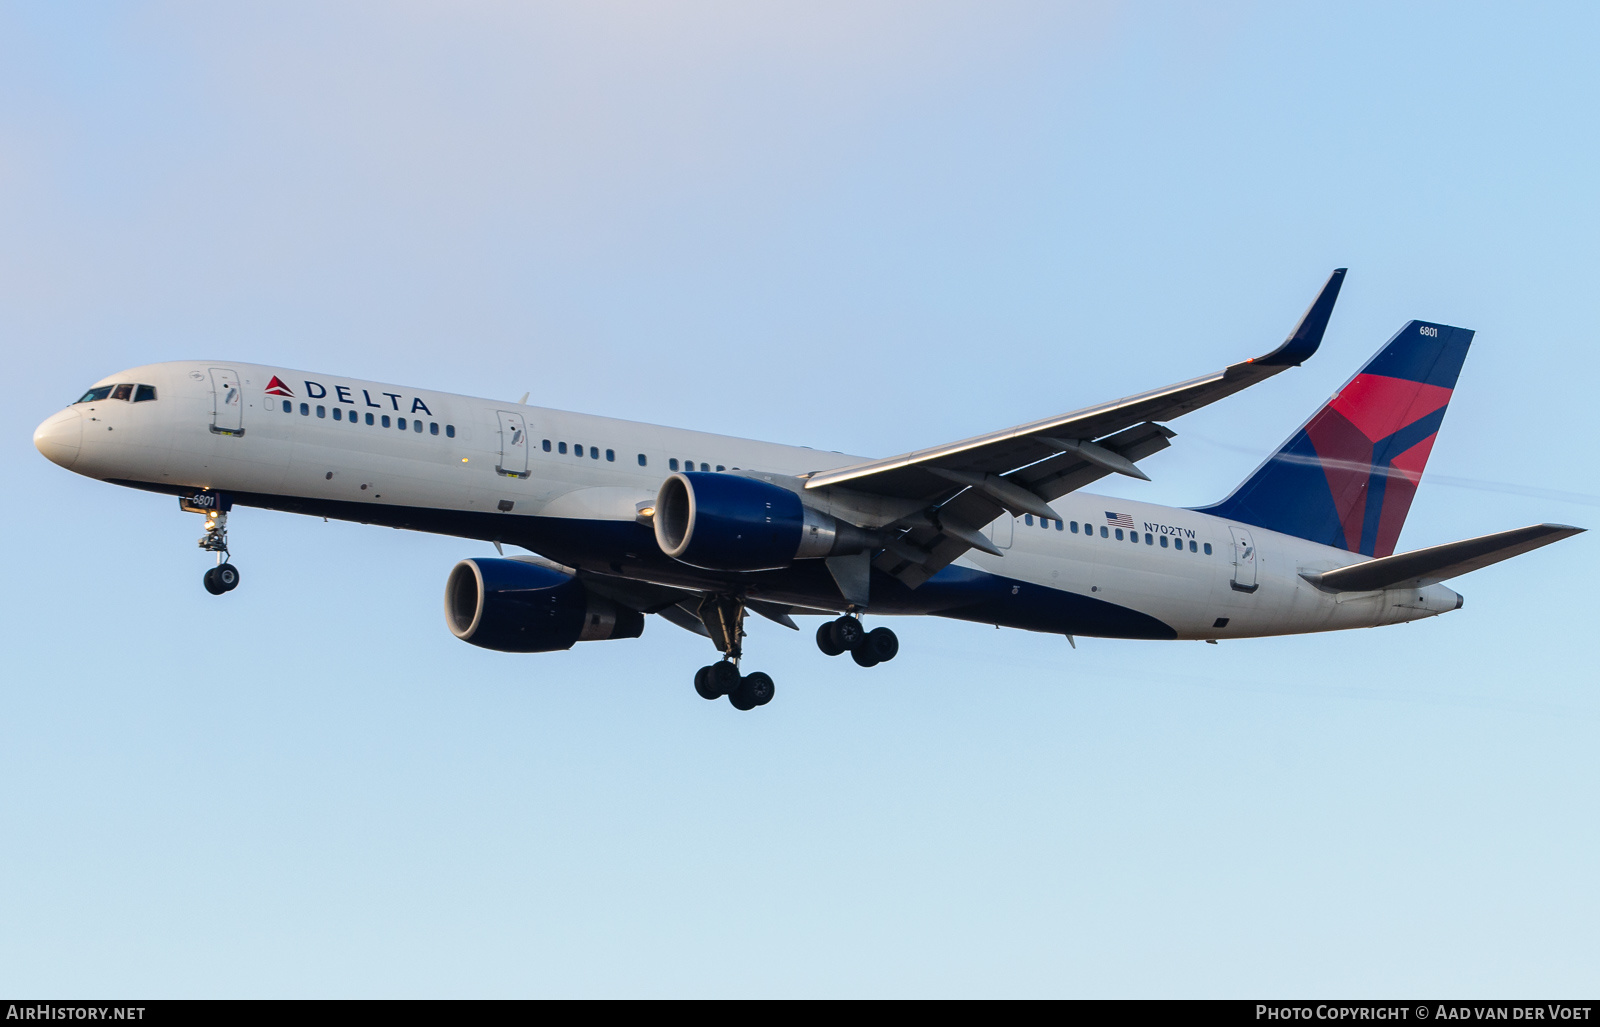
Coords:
123,392
96,395
145,394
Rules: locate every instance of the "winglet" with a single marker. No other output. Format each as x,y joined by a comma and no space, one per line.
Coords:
1307,335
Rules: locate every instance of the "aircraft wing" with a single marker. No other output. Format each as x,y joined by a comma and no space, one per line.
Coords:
965,485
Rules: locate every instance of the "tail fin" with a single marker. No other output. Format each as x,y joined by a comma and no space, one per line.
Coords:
1347,477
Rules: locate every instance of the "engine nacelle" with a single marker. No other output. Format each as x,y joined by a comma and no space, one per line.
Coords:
725,522
516,607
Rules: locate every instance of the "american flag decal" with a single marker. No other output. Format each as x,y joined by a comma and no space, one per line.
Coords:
1119,520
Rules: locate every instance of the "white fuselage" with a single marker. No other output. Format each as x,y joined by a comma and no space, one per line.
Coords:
465,466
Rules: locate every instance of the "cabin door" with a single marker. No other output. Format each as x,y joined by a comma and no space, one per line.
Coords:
1002,531
1244,561
513,446
227,402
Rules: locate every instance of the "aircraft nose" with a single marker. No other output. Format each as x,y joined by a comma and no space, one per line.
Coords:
60,437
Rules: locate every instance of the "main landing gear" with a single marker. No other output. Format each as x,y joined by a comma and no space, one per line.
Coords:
867,648
723,617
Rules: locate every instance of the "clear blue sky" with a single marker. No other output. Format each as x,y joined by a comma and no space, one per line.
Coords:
853,226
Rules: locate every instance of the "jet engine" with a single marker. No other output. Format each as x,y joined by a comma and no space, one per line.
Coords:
516,607
725,522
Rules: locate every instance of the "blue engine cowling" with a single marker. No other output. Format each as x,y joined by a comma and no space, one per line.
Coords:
516,607
728,523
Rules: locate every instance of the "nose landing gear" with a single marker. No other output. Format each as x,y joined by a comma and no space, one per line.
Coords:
867,648
224,577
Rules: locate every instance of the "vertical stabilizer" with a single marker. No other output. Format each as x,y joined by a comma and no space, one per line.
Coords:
1347,477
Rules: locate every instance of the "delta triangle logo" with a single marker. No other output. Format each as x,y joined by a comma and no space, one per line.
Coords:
277,388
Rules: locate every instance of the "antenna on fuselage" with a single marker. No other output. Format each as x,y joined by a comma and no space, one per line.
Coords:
524,400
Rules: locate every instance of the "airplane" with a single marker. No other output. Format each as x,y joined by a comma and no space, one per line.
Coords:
623,519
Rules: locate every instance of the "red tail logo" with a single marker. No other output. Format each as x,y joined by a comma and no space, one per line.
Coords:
277,388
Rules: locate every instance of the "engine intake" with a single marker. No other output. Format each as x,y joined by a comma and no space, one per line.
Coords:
725,522
515,607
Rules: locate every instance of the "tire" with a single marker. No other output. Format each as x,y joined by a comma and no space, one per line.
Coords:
741,701
210,581
862,654
758,688
826,642
703,685
227,576
723,678
882,643
847,633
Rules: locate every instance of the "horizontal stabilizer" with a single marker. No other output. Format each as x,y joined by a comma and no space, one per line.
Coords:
1437,563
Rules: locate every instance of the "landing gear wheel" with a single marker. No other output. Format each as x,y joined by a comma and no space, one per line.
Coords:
754,690
826,642
227,576
758,687
877,646
211,583
703,686
844,634
882,644
722,679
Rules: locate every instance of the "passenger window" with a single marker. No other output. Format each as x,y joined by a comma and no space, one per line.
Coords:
1027,519
721,468
672,464
305,409
288,408
1149,539
642,461
1103,531
1058,526
1074,527
433,429
594,452
611,456
401,423
337,413
449,431
705,467
385,420
1119,534
353,416
561,447
1163,541
1192,546
416,426
96,395
322,411
547,445
1208,549
369,419
145,394
122,392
